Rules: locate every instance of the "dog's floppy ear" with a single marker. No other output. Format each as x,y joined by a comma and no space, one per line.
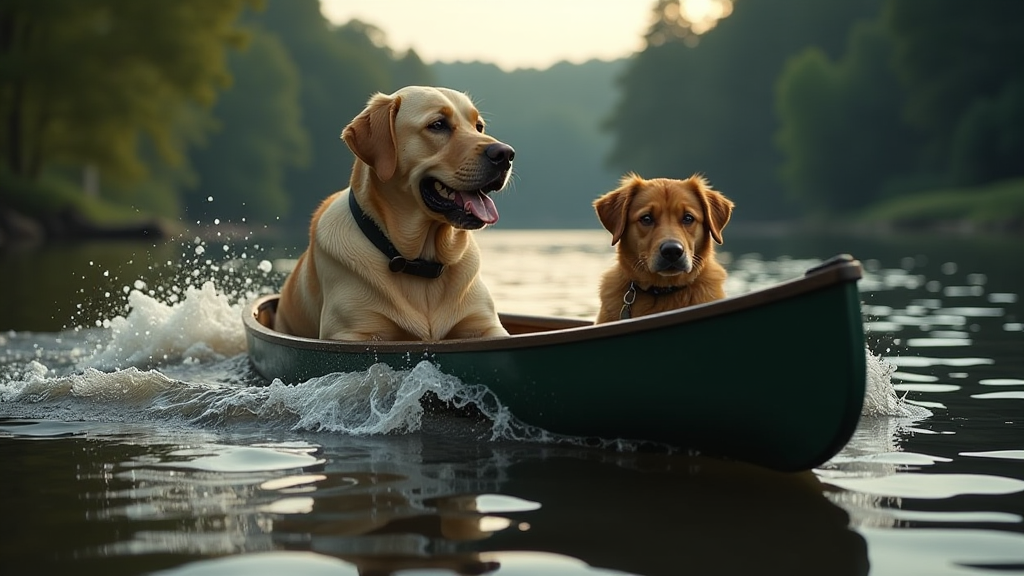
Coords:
717,208
613,208
371,135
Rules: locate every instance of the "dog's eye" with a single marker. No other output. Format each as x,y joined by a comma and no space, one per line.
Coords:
480,127
647,220
438,125
688,218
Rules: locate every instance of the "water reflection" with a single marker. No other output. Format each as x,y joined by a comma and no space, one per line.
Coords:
930,486
434,501
269,564
944,551
620,512
706,516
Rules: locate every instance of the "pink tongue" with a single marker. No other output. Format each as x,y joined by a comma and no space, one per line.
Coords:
479,204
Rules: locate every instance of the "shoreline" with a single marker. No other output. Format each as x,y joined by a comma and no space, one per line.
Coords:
18,230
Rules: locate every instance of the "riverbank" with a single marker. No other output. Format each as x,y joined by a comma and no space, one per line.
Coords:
53,209
994,207
17,229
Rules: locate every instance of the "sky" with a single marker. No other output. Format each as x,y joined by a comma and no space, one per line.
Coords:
512,34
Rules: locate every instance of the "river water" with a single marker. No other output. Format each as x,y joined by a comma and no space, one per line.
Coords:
135,438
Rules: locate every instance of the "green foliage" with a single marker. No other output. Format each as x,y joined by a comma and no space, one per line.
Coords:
54,194
996,205
40,195
960,66
147,92
929,95
261,137
709,108
85,81
841,131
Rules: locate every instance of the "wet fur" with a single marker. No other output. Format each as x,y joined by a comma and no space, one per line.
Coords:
341,287
665,202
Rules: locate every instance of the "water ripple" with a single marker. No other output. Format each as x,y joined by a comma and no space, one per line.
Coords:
930,486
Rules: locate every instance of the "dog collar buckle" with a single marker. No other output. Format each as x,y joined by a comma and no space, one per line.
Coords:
418,267
397,264
627,302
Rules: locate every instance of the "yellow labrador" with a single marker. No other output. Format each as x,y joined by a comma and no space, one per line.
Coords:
392,257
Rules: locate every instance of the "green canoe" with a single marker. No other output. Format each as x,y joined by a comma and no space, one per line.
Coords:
774,377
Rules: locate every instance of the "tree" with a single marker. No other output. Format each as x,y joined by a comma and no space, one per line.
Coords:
261,136
88,81
708,106
842,133
959,63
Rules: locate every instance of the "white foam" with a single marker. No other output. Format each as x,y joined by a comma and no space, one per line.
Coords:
124,387
205,325
880,397
381,400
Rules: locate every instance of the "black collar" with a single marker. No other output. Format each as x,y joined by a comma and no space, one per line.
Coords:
656,290
398,263
630,296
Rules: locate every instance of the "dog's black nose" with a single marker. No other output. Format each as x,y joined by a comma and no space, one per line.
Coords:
500,154
671,250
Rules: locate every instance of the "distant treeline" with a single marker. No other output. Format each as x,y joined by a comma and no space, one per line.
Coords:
806,108
196,110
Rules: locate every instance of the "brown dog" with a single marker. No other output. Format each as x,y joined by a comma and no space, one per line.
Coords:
665,258
392,256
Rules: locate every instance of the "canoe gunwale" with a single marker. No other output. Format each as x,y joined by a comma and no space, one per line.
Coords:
551,330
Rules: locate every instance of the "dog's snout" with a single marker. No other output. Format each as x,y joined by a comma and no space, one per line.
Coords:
500,154
671,250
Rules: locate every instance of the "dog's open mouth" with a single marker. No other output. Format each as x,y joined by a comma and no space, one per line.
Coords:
462,208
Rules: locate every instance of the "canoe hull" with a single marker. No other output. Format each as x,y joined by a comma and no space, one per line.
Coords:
777,381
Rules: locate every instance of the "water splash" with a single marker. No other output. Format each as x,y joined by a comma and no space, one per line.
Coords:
880,398
177,354
205,325
379,401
